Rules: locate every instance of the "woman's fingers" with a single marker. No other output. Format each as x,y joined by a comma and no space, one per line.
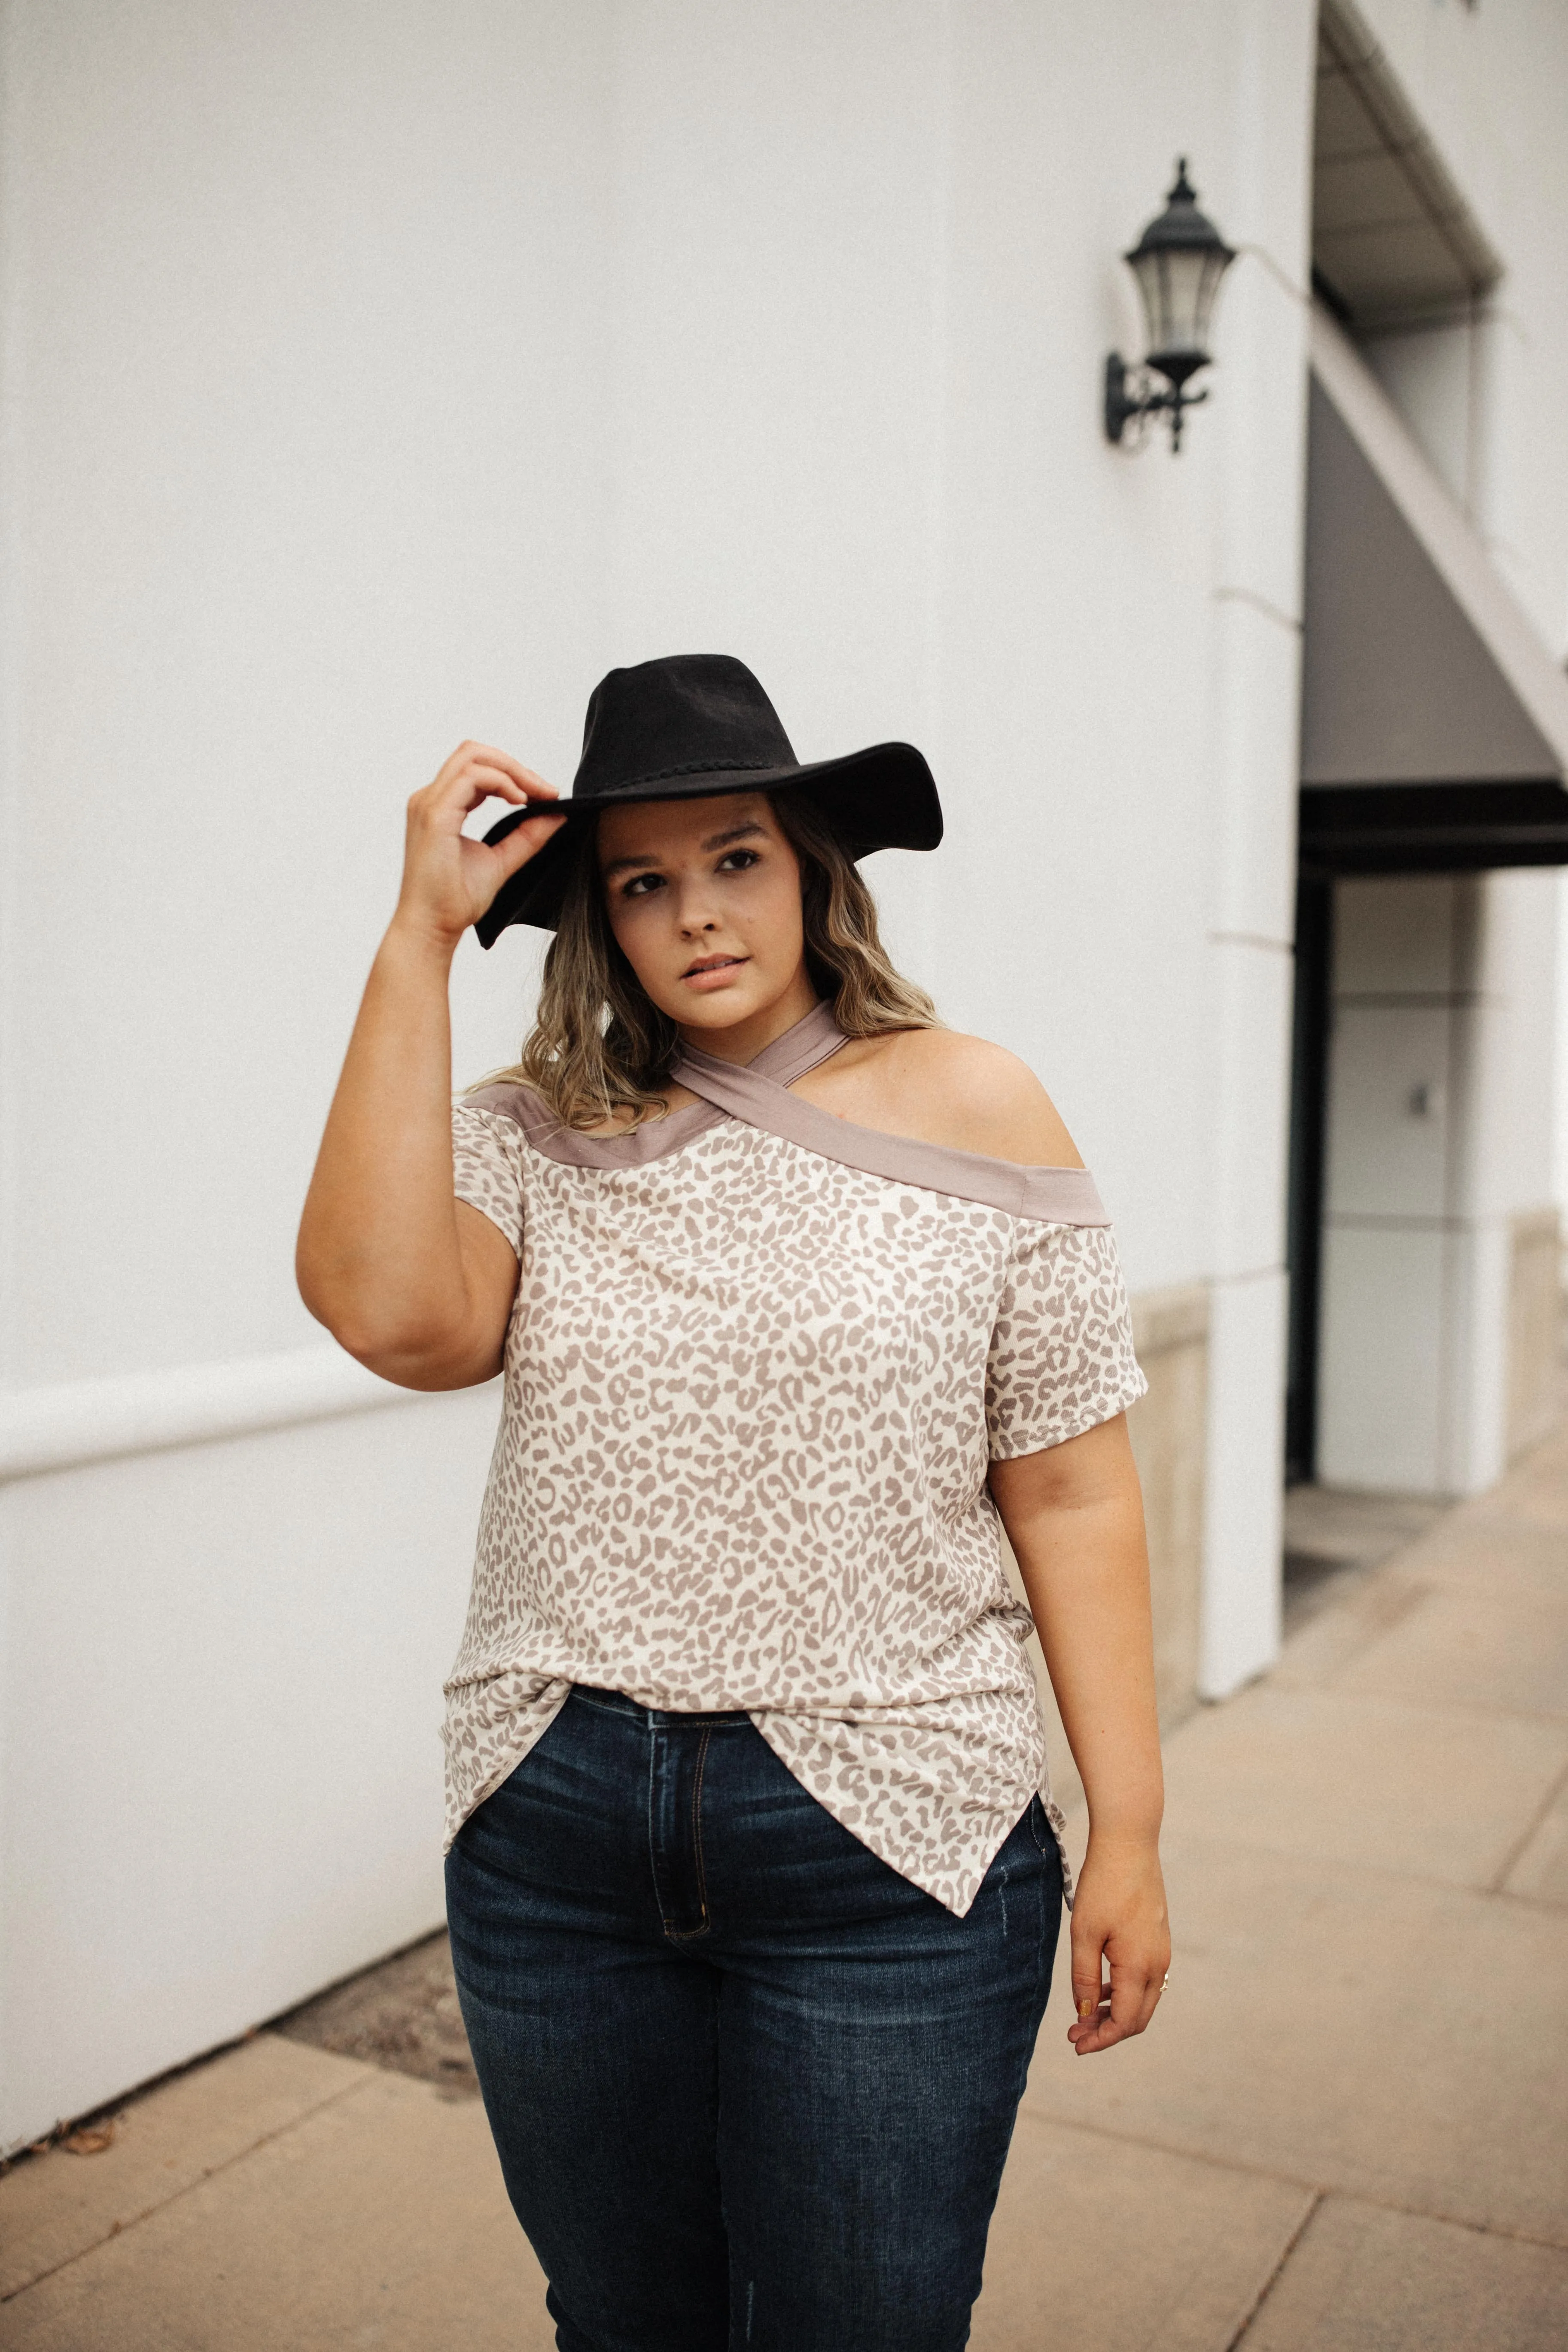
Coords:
449,878
1086,1975
1088,1991
534,786
1131,2002
1119,1928
486,783
1132,2005
478,785
487,755
476,772
1109,2013
477,781
525,840
1101,2032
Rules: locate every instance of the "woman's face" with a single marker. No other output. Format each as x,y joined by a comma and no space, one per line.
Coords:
704,902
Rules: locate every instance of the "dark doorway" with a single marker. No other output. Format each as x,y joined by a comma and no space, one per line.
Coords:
1304,1215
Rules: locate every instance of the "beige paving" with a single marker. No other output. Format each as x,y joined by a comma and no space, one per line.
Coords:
1534,1494
1325,1525
1539,1871
1194,2245
1346,2133
1510,1657
377,2220
55,2206
1363,2280
1367,1781
1389,2036
1488,1561
1327,1643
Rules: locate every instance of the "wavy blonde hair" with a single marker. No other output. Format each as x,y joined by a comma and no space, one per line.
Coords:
600,1045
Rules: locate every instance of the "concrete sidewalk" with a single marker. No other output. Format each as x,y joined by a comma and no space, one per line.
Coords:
1347,2133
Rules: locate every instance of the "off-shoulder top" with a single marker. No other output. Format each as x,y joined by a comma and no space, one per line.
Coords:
759,1361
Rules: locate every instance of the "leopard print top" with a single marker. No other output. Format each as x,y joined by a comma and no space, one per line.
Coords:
759,1360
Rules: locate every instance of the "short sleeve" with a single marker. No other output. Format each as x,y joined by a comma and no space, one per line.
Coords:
487,1161
1061,1356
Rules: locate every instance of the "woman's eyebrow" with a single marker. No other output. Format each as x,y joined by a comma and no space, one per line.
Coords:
736,832
714,841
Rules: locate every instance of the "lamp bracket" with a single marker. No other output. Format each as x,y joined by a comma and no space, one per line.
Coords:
1132,397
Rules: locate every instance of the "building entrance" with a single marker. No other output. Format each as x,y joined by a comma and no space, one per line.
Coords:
1304,1219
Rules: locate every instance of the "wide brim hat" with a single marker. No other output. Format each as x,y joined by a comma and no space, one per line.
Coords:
692,726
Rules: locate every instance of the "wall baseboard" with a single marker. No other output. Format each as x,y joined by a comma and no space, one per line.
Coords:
79,1422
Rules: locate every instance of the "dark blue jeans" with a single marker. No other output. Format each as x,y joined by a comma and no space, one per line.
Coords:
749,2086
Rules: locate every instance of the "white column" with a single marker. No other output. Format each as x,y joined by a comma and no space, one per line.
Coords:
1391,1250
1439,1134
1259,411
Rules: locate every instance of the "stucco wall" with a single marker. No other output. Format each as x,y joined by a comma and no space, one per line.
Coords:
373,379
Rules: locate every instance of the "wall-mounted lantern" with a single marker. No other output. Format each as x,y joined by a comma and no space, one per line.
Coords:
1178,262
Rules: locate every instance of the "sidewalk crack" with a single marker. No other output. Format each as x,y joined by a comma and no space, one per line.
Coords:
1267,2289
123,2228
1316,2189
1498,1885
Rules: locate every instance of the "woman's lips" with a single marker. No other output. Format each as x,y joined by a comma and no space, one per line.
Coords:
714,975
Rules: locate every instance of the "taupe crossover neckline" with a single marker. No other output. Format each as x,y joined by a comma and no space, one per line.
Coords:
758,1093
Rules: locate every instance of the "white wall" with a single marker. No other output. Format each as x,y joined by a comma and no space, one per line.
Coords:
858,441
377,376
306,347
301,485
1439,1131
221,1768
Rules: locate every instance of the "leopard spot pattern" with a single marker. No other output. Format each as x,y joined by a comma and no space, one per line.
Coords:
751,1396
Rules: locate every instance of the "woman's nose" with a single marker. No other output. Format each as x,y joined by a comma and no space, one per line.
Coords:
693,911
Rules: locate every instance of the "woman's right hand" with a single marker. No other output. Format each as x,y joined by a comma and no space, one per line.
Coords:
416,1284
449,879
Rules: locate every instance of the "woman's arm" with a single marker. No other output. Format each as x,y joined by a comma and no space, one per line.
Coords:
1074,1516
412,1281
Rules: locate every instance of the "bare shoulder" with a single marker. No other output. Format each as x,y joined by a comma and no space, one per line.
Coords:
946,1087
991,1094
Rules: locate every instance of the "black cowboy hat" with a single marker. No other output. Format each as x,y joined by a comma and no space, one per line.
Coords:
693,725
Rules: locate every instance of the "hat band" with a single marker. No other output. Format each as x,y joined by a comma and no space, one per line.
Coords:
686,768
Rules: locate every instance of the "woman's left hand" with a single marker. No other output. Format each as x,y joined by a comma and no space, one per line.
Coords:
1119,1912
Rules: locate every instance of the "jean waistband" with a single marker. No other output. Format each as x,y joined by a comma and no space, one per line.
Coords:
614,1702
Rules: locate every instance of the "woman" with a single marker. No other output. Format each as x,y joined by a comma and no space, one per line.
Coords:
752,1883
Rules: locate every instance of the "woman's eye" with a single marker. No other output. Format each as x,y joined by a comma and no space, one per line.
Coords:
642,886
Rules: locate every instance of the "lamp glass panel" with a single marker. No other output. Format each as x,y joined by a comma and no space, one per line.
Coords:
1178,289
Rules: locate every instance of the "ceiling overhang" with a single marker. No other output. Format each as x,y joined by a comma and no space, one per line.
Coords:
1434,722
1393,234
